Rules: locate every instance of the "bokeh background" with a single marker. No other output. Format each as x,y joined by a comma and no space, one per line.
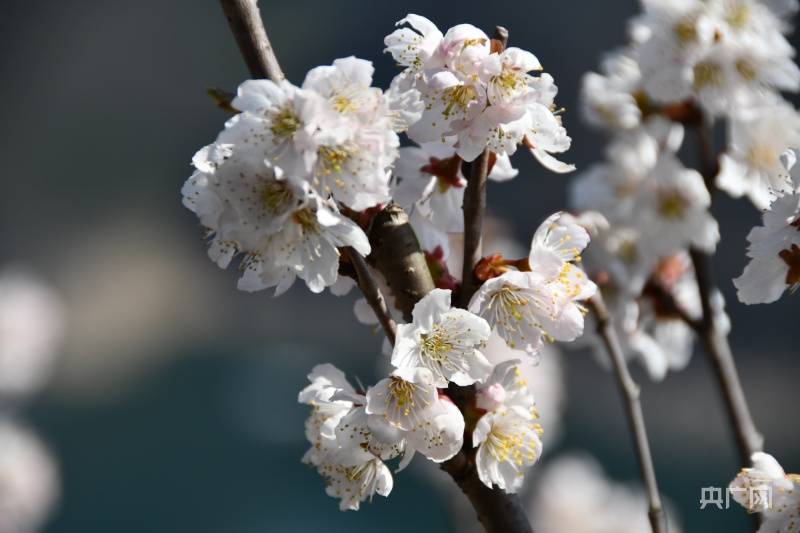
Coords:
173,405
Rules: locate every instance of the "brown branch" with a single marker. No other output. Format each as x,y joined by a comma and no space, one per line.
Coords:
633,407
398,256
372,293
716,346
497,511
474,205
715,342
248,29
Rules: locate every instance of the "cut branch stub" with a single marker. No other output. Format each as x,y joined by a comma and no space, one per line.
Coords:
398,256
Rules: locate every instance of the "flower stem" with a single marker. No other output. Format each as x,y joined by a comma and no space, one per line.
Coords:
633,408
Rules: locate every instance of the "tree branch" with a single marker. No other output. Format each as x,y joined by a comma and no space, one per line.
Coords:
248,29
633,407
474,205
372,293
398,257
716,346
715,343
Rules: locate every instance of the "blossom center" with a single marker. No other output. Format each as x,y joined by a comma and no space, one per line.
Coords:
332,159
402,392
685,31
762,156
275,195
738,16
672,205
285,123
306,219
436,344
343,104
458,96
707,74
746,69
511,301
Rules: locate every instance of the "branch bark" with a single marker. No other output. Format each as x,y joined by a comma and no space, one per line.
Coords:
715,343
398,256
633,408
474,207
372,293
248,30
716,346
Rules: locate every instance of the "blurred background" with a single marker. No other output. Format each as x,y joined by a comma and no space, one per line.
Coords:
172,405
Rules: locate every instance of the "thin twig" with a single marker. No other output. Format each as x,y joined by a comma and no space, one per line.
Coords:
716,346
633,407
248,29
372,293
715,342
474,205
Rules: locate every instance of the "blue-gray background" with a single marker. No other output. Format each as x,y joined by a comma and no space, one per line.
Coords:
173,409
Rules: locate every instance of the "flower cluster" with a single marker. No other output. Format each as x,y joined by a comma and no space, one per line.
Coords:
284,181
723,59
766,489
352,433
645,209
298,174
272,184
476,93
688,64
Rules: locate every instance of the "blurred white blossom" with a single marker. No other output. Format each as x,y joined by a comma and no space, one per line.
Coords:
31,330
29,480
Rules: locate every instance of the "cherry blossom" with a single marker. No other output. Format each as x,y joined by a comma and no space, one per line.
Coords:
443,339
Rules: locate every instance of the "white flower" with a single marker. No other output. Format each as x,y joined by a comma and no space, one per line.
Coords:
753,163
527,307
544,379
31,327
355,477
774,252
608,99
29,480
328,407
508,441
475,98
574,494
408,401
404,398
356,143
444,340
672,209
611,187
414,47
728,54
767,489
278,120
506,387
